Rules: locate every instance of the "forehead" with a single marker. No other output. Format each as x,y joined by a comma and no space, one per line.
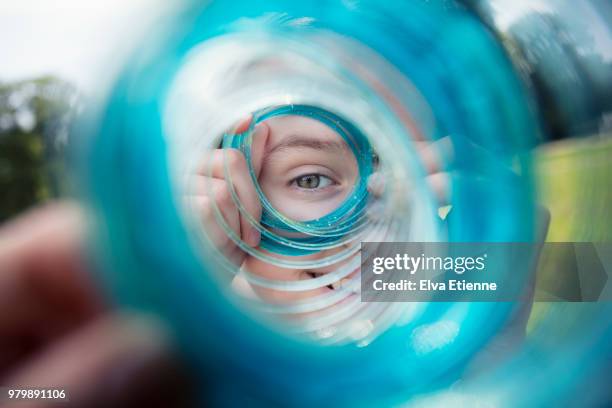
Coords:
282,127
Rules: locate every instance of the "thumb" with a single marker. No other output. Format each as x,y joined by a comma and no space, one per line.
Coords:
258,146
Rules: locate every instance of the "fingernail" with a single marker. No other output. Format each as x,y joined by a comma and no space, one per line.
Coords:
243,125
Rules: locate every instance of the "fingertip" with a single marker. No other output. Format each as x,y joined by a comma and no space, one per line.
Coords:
376,184
244,124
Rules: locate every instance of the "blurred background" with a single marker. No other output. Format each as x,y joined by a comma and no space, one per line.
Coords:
56,58
60,57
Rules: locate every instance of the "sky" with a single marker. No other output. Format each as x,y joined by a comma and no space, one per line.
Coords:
84,41
80,41
573,13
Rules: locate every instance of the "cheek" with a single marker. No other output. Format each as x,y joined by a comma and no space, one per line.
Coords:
317,209
302,207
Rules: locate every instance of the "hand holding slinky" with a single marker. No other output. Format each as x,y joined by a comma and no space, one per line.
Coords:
211,190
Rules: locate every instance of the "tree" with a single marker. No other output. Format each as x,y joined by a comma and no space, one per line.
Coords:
35,117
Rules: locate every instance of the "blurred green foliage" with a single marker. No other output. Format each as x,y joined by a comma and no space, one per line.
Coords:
574,181
35,117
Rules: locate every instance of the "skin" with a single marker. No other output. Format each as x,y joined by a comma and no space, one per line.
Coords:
306,170
58,330
290,147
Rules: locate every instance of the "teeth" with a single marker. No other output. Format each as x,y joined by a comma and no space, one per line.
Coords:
341,283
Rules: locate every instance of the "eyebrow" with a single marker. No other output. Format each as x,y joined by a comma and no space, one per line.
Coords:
300,141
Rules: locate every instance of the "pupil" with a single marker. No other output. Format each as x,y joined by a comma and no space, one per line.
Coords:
310,181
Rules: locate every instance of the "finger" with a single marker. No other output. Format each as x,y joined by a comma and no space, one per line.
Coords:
251,199
113,361
376,184
258,146
222,199
435,156
203,206
235,255
243,185
242,125
225,203
440,186
45,289
204,167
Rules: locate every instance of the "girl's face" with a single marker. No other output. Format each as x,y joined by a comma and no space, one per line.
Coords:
307,171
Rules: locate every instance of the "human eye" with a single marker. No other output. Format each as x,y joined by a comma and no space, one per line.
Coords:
312,181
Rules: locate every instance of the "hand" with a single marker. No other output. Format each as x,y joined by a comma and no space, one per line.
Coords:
437,158
56,329
434,157
210,188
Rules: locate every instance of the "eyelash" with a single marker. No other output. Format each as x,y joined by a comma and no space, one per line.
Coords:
294,182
